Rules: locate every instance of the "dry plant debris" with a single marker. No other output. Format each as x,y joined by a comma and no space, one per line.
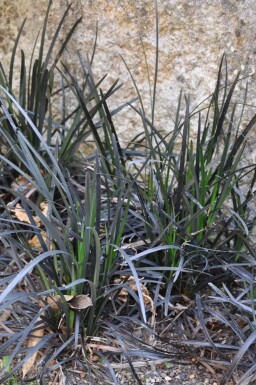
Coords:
123,295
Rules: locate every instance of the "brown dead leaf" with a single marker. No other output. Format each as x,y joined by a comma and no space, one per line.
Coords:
34,242
134,245
4,315
62,377
22,216
21,183
79,302
44,206
37,335
75,302
145,293
105,348
53,301
3,326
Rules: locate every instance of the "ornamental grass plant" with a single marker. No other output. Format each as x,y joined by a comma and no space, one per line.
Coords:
97,247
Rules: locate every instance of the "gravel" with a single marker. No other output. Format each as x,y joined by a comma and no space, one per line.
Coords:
173,375
160,374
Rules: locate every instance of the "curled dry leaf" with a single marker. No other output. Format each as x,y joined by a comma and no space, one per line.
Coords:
80,302
145,293
37,335
75,302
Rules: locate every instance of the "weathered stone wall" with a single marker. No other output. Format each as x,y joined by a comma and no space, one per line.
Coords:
193,34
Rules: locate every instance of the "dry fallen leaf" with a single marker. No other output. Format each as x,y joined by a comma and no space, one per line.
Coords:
37,335
22,216
75,302
105,348
44,206
62,377
4,315
53,301
80,302
34,242
21,183
145,293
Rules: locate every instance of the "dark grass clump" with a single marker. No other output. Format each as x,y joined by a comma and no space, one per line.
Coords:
94,250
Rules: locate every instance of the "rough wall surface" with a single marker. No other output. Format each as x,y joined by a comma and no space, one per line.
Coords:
193,34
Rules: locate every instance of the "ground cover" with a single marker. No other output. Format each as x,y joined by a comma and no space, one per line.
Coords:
143,253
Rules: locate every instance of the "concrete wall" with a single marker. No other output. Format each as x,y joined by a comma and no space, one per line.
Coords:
193,36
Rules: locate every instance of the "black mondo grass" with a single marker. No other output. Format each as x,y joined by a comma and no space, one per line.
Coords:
158,236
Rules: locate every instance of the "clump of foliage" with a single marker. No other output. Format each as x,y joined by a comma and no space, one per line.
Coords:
92,247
